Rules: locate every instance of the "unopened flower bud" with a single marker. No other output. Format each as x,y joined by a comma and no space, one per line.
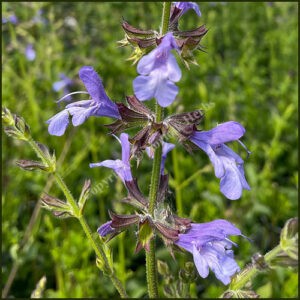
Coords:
162,268
143,41
288,256
7,117
58,207
289,238
22,126
259,261
30,165
15,126
188,274
144,236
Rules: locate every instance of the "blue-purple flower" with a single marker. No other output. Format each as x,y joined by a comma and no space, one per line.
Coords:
121,167
62,83
38,18
185,6
227,164
30,52
99,104
158,71
166,148
105,229
211,248
10,19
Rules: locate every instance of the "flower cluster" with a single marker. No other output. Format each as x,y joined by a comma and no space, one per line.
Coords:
158,71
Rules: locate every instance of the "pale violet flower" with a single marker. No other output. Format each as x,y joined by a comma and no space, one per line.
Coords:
38,18
158,71
211,248
30,52
227,164
10,19
121,167
63,83
80,111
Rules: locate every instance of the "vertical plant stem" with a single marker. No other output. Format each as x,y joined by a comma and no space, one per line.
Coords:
165,17
177,183
151,268
122,260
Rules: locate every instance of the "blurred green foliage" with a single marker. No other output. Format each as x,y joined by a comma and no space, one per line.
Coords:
249,74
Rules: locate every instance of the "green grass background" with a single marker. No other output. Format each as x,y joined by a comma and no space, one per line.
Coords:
249,74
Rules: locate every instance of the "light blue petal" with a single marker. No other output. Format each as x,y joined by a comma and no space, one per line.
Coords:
223,133
146,63
166,148
166,93
112,164
230,184
174,72
144,87
242,178
216,226
125,148
200,262
223,150
58,123
80,115
229,265
185,242
215,159
93,84
81,103
58,85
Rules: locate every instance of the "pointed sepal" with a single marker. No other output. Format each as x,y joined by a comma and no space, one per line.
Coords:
123,221
58,207
84,195
145,234
134,192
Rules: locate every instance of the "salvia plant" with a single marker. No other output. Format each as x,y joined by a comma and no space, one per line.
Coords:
155,54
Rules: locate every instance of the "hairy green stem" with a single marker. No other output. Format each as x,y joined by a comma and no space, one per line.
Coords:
245,275
177,183
151,270
100,253
165,17
76,211
155,176
151,267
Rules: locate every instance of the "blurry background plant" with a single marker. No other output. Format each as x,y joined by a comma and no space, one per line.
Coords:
248,74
